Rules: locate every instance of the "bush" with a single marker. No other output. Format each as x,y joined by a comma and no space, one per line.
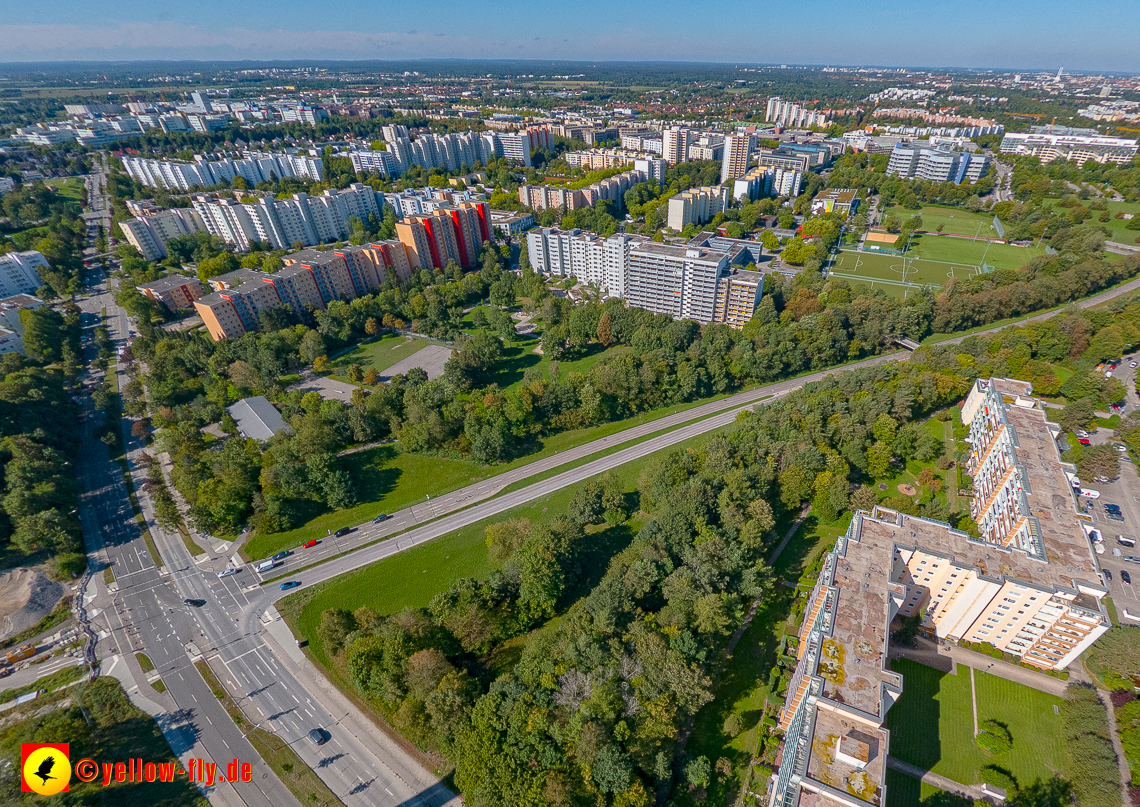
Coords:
994,738
733,725
999,777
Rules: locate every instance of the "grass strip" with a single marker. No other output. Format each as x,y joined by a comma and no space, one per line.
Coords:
144,662
55,680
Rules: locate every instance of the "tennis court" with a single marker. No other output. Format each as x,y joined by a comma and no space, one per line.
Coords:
897,275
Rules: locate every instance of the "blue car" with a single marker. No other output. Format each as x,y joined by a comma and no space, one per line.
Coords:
282,555
290,584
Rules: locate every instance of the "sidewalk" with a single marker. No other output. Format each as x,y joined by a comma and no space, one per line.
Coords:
971,792
947,657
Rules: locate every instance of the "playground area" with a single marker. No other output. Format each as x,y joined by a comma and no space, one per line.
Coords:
898,275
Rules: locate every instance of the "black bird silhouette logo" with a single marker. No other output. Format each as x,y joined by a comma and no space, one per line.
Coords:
45,768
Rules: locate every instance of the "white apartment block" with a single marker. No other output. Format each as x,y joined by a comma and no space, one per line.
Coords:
787,113
281,223
203,173
680,281
1029,586
936,164
20,272
150,232
696,206
737,153
601,262
675,143
1077,148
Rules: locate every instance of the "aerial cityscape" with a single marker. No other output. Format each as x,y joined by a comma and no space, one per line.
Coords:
438,411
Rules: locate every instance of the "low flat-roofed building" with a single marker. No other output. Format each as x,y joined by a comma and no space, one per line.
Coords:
257,418
508,222
844,201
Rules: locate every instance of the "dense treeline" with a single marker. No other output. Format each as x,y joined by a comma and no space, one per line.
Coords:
37,445
591,711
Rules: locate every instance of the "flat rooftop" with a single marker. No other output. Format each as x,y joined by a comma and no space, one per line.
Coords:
853,660
837,759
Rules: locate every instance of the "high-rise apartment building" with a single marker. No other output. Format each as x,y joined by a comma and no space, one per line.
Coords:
1028,586
310,279
149,232
450,232
765,181
937,164
787,113
737,153
737,294
680,281
204,173
696,206
601,262
675,144
302,219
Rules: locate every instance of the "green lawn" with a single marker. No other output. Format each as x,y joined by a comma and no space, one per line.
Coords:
411,578
382,353
1120,232
389,479
932,260
958,220
70,187
965,251
933,698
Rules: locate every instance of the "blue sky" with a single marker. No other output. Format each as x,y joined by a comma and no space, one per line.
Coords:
967,33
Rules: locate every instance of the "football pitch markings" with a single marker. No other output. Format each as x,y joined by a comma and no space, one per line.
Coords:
898,270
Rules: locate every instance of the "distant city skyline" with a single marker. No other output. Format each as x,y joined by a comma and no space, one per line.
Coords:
1019,34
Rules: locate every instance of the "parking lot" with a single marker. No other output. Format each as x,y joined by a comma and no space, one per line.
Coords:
1123,491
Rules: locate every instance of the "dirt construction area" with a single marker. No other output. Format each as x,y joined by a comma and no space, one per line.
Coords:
26,597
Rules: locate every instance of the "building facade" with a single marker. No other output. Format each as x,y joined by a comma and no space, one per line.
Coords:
149,232
737,153
174,291
204,173
20,272
696,206
936,164
1078,148
281,223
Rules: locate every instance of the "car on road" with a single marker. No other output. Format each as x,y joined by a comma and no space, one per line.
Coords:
1081,433
195,603
1120,539
1089,493
1125,577
318,736
227,572
1121,447
1115,515
343,531
381,517
1133,364
288,584
1108,575
282,555
1083,441
309,544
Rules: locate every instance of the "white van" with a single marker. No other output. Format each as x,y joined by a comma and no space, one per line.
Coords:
1090,494
266,565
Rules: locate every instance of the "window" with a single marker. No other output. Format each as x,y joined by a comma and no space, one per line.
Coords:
1008,599
983,633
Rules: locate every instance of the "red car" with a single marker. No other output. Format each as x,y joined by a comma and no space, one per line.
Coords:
1083,441
308,544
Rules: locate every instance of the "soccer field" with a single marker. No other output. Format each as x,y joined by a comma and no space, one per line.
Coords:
897,275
